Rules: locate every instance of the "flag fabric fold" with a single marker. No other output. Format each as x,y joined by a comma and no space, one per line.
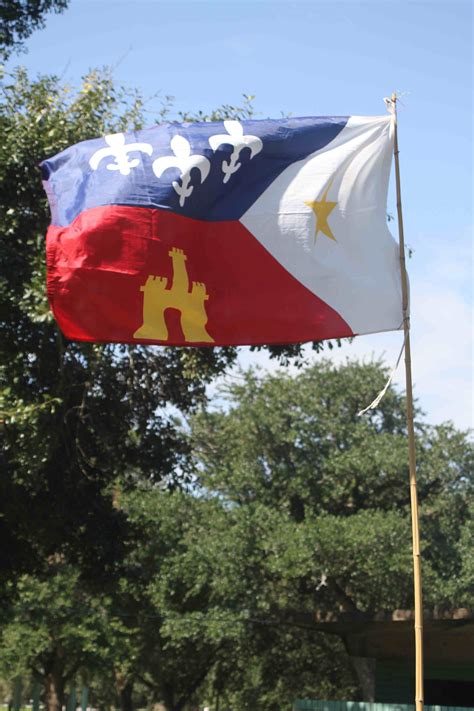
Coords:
233,232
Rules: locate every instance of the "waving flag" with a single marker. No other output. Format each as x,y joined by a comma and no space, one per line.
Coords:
234,232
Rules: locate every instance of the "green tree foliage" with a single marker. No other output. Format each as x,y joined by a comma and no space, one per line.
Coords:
226,585
316,516
184,630
276,664
215,590
51,629
465,553
19,18
339,483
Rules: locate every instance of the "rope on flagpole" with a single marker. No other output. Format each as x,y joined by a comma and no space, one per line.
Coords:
381,394
389,103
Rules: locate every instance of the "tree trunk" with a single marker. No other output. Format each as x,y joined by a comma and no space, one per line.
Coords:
168,696
365,671
54,690
125,695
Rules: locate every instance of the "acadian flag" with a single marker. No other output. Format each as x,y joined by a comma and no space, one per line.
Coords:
234,232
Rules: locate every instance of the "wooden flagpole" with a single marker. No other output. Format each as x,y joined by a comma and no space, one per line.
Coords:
411,439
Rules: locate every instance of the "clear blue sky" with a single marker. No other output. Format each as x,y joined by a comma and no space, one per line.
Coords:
323,58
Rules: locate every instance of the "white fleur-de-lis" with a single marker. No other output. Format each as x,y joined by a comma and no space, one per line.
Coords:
237,139
185,162
118,149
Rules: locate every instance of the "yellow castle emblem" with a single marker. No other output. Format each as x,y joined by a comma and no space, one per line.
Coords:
158,296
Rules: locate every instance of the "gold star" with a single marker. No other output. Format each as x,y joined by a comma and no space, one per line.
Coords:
322,209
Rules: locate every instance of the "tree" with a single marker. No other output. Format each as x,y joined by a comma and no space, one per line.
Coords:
207,605
276,664
320,498
181,630
51,629
241,561
19,18
299,444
